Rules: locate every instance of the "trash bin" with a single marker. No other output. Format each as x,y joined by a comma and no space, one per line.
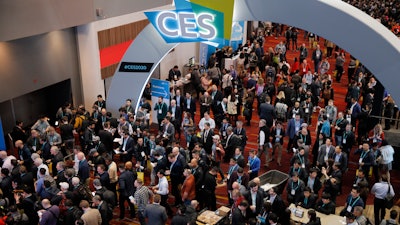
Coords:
274,178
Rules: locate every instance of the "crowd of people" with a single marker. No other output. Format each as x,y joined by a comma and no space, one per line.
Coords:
74,173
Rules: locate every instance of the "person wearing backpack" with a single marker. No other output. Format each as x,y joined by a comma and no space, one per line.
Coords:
381,190
49,214
73,213
270,72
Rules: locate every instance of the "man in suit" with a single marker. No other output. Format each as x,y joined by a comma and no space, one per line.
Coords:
101,119
155,213
198,174
126,189
294,188
205,103
241,133
340,157
216,96
223,130
18,133
277,205
90,216
239,157
176,116
239,214
83,169
106,137
232,141
104,209
128,107
168,129
105,194
317,58
267,112
277,134
325,205
88,136
313,182
179,98
24,178
324,152
24,155
355,109
206,138
348,139
189,105
127,147
175,173
33,142
307,199
113,120
366,157
293,127
255,197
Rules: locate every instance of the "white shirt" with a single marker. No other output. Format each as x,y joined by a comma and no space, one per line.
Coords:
162,186
380,190
76,165
262,138
253,198
7,162
203,120
387,154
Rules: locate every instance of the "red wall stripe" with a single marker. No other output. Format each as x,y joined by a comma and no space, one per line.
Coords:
113,54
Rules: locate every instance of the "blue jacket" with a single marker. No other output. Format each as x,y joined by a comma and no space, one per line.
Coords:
291,128
326,129
254,164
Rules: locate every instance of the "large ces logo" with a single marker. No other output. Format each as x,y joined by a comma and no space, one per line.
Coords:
195,21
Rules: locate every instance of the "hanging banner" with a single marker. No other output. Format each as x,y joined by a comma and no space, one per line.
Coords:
237,34
2,140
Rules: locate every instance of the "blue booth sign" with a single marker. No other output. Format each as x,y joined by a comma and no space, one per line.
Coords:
160,88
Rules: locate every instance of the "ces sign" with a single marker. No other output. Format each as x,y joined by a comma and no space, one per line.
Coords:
186,25
191,22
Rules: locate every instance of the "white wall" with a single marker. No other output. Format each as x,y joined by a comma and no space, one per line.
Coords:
180,56
89,54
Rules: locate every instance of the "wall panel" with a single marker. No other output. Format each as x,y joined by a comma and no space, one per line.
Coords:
110,40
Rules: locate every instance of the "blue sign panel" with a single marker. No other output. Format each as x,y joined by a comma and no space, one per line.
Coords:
160,88
237,34
2,140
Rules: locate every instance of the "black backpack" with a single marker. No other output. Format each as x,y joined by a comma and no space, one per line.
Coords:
270,72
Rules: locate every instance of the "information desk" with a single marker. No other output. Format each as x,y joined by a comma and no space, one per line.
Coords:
209,217
331,219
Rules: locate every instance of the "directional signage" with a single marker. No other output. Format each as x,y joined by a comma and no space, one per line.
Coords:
160,88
